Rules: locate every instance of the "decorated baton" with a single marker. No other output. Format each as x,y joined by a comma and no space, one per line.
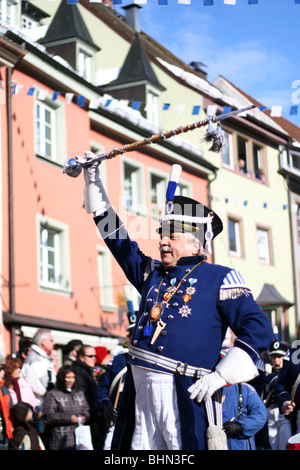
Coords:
214,136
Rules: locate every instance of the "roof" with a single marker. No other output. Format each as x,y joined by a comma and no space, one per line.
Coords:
270,296
136,67
67,24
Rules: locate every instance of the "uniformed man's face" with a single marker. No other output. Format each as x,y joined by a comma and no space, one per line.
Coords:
173,246
276,361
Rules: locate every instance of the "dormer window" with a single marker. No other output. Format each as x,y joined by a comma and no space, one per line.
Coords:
85,64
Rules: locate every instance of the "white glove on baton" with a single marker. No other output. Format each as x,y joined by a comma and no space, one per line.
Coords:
205,387
95,197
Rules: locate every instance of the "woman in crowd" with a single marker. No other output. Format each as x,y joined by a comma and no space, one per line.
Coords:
18,388
63,407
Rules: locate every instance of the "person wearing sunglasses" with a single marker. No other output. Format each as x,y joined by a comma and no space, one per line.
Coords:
87,382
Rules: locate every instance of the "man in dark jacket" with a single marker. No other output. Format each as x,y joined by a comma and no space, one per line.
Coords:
86,381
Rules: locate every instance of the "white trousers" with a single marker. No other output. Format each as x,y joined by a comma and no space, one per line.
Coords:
157,425
279,428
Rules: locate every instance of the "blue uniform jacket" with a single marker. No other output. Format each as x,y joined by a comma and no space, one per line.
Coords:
253,415
284,385
107,389
196,319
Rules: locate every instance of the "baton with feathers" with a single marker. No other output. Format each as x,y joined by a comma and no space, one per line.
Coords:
214,136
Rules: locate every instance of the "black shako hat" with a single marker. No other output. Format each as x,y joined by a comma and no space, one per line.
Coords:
184,214
279,348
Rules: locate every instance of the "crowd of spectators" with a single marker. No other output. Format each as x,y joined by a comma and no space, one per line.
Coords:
48,391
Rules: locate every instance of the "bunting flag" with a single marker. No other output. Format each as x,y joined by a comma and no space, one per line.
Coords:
107,100
166,2
254,203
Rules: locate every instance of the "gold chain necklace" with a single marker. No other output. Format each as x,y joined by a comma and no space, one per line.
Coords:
156,311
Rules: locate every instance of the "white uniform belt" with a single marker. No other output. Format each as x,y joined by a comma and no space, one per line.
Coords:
170,365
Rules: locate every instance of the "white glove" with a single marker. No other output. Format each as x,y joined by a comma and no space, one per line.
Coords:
95,197
205,387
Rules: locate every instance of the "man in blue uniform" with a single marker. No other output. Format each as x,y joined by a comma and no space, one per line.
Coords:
186,307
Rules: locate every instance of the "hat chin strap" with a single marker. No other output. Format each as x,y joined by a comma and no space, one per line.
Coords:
194,220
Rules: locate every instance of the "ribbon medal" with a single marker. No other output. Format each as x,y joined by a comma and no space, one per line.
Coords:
185,311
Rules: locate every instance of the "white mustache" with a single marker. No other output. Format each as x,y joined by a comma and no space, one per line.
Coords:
166,249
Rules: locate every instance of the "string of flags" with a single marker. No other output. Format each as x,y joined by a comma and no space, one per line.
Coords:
275,206
166,2
108,101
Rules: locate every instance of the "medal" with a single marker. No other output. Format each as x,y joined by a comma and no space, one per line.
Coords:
184,311
155,311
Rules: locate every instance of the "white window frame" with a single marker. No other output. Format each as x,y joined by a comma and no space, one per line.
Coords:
105,279
8,11
228,150
84,64
263,240
61,261
43,126
237,231
157,194
137,185
56,108
85,61
152,106
184,188
247,151
298,220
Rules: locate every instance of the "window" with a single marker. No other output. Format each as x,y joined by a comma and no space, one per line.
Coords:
45,131
242,154
8,11
258,161
158,185
263,245
234,236
105,279
245,155
54,265
50,135
183,190
152,108
133,184
27,23
85,65
295,161
227,151
298,221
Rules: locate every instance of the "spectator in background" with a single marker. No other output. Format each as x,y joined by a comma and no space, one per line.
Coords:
18,387
70,351
64,404
38,368
55,357
2,371
24,348
87,382
102,359
6,427
25,435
